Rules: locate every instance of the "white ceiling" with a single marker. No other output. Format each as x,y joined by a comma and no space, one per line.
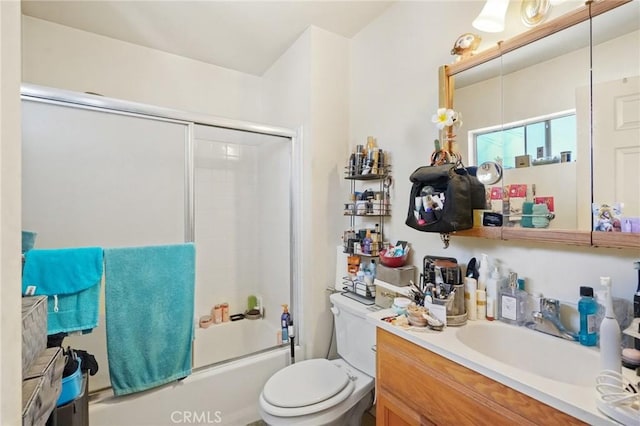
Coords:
246,36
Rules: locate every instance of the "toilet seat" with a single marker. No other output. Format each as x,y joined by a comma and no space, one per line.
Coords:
305,388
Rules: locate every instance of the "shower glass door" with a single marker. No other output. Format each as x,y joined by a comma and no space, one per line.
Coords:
242,201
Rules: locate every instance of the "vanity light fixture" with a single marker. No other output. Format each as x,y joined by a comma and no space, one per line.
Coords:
491,18
533,12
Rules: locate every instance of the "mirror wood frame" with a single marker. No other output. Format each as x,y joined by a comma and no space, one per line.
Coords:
446,78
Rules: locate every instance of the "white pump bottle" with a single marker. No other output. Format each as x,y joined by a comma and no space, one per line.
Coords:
493,288
609,334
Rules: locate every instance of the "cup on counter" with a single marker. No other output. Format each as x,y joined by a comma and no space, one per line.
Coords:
217,314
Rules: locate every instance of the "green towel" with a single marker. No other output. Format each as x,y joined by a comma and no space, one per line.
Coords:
527,209
540,211
149,300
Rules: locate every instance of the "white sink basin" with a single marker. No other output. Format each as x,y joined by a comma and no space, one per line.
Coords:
532,351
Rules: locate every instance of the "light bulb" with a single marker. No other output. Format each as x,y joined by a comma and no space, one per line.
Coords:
491,18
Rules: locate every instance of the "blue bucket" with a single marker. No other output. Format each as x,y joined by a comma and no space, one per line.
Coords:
71,386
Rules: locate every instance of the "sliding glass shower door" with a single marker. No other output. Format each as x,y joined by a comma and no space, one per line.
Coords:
242,235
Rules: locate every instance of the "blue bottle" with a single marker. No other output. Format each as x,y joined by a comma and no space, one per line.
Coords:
588,308
284,323
373,269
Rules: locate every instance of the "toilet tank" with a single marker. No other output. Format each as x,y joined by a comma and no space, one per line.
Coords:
355,336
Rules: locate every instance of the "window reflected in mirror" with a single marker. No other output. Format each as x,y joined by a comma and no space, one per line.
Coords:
542,140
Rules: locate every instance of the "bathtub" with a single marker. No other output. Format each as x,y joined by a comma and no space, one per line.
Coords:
226,394
211,346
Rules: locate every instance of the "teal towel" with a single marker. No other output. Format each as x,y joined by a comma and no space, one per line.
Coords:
527,210
149,296
70,277
28,240
540,220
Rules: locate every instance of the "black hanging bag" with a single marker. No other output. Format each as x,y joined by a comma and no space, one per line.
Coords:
443,198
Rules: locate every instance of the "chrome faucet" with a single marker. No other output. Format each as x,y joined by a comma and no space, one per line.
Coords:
547,320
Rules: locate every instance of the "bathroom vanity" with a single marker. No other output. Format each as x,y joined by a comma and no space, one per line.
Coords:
440,391
483,373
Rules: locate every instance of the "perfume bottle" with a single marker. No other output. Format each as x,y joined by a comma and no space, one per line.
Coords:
512,302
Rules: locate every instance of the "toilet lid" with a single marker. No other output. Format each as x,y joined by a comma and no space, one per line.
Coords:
305,383
309,409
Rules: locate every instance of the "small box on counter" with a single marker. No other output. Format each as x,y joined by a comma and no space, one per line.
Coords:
397,276
492,219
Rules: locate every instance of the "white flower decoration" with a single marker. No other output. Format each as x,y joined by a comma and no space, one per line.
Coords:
446,117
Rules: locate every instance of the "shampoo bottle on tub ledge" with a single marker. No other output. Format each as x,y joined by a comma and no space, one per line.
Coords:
284,323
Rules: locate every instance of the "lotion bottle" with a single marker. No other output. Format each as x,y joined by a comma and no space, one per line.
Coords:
481,304
610,348
492,294
470,291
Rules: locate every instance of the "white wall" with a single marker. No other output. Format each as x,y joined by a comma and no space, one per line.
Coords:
330,127
394,92
287,89
65,58
382,83
10,330
308,86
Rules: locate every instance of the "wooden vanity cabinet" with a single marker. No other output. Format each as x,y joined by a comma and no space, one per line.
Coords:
418,387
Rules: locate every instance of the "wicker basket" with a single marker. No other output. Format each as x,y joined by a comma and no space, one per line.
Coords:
41,387
34,329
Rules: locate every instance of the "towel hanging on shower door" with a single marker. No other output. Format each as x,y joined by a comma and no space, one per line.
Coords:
149,301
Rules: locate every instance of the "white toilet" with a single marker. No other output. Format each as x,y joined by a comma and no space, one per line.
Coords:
319,392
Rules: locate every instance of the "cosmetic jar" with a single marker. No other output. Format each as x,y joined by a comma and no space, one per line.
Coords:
400,305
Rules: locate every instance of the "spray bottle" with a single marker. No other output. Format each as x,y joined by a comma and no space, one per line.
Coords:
609,334
284,323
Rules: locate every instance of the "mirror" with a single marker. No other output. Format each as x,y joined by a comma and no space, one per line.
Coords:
616,121
544,113
526,73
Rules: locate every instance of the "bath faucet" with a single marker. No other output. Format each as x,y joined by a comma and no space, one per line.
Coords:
547,320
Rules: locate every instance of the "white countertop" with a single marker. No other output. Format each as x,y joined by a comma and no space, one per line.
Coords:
577,401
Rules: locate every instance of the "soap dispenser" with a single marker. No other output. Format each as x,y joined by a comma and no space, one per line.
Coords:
610,349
